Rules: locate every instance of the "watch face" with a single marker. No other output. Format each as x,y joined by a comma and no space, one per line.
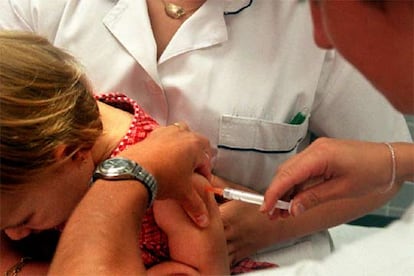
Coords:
117,166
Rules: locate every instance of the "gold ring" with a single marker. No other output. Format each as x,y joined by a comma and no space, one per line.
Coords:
177,125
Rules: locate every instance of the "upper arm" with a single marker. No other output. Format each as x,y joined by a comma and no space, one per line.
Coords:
203,250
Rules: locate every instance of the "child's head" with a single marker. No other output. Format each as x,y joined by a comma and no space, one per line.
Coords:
49,122
45,104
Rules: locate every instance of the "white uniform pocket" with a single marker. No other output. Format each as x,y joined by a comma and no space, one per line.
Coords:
241,133
250,149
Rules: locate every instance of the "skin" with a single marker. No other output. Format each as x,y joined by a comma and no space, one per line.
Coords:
380,148
242,233
25,210
19,220
253,231
338,24
317,174
207,245
185,172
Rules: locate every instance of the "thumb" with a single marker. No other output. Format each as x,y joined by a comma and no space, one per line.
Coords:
316,195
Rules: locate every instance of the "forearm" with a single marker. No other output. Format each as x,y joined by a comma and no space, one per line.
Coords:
101,235
319,218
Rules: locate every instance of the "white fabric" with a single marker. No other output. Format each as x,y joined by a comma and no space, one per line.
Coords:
389,251
312,247
316,246
345,234
237,78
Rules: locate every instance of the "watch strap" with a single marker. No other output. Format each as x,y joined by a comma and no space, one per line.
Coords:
148,180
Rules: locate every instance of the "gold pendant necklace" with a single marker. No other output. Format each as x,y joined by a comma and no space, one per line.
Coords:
174,11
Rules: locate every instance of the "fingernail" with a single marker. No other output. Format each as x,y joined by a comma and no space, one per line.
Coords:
298,209
272,211
202,221
262,209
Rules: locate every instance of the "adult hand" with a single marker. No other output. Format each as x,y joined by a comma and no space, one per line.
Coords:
175,155
246,229
330,169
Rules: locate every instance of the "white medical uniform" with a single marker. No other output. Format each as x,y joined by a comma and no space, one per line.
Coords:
236,71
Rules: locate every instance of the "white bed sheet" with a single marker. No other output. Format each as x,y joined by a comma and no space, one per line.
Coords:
346,234
314,247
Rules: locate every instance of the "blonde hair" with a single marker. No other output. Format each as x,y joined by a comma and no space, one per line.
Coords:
45,102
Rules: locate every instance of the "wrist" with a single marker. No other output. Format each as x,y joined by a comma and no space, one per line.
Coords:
401,164
120,168
393,169
147,162
404,153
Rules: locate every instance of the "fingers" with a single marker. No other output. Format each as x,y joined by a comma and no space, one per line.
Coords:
307,165
204,168
229,230
286,178
305,196
196,209
203,164
199,154
323,192
181,126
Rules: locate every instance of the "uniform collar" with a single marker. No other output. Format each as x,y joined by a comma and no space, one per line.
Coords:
129,23
236,6
205,28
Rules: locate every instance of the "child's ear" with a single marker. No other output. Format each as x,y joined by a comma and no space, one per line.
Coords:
62,152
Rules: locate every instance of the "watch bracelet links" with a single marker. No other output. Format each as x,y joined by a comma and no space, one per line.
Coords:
148,180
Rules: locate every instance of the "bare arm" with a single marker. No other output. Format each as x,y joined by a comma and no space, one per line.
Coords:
102,234
201,251
254,231
172,154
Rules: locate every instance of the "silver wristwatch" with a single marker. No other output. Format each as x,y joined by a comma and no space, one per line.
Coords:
119,168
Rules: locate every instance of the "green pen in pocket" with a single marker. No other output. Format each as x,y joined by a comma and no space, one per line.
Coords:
299,118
